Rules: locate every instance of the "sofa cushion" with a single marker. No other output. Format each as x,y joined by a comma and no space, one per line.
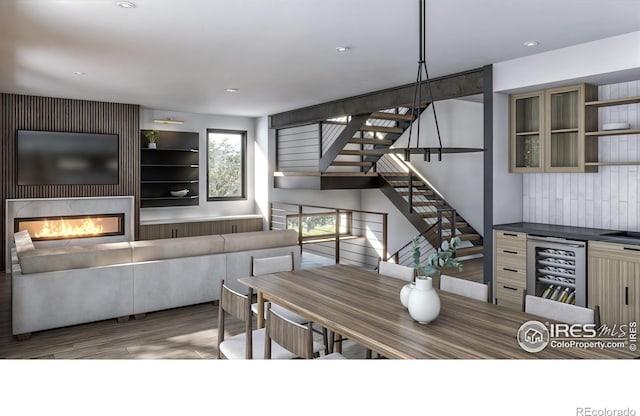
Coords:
171,248
23,241
259,239
74,257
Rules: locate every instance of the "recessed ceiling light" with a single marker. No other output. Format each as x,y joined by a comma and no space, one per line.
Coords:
342,48
232,90
79,73
126,4
531,43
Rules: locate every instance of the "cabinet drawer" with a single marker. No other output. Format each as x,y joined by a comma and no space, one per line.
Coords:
615,251
510,257
509,296
511,277
511,236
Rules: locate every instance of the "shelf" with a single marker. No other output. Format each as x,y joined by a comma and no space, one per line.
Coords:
611,163
612,132
161,182
162,165
171,150
555,256
528,133
554,273
612,102
555,283
548,263
574,130
162,198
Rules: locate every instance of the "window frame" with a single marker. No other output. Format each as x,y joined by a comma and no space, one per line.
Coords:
347,233
243,168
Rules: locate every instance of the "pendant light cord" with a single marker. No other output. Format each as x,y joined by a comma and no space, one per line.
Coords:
417,96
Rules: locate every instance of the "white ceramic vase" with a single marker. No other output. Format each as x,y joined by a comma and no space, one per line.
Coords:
424,303
405,292
151,145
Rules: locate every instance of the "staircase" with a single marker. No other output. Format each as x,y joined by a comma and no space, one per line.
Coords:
359,146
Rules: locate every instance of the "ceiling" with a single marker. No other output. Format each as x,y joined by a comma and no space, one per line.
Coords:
181,55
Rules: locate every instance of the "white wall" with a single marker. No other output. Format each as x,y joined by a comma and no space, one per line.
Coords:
607,199
459,177
615,55
507,187
399,230
200,123
262,170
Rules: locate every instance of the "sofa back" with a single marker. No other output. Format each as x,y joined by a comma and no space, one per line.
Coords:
171,248
74,257
257,240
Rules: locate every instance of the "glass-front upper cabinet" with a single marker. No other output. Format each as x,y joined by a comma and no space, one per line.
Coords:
547,130
526,132
565,129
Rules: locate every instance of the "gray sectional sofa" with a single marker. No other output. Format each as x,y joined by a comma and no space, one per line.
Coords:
57,287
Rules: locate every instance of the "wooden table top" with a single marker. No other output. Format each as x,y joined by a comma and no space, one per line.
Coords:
365,307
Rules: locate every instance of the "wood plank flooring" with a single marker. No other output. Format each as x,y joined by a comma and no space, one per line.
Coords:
182,333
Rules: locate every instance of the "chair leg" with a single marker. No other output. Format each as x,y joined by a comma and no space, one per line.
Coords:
325,340
368,354
338,344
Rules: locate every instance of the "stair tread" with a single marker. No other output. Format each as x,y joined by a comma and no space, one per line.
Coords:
427,203
467,251
381,115
434,214
344,163
404,184
382,129
469,237
372,152
417,192
358,140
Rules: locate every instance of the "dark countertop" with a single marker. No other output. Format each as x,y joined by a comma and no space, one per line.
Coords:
564,231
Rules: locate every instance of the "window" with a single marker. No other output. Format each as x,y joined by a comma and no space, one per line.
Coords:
321,224
226,176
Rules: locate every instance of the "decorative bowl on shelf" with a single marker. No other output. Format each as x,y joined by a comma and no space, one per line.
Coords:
180,193
615,126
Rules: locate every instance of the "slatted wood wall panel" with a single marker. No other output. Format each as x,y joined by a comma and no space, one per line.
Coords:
23,112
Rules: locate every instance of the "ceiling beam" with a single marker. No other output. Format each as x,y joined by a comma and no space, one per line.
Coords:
444,88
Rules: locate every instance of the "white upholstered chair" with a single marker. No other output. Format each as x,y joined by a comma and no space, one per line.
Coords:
397,271
250,343
268,265
561,312
296,338
466,288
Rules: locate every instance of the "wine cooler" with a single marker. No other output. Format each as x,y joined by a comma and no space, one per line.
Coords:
556,269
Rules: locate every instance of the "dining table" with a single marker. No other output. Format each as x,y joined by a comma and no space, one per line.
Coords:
365,307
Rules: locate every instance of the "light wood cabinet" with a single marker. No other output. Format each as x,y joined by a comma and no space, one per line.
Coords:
198,228
547,130
510,268
614,282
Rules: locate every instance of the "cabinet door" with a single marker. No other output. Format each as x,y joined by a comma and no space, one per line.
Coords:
526,121
566,149
155,231
606,288
631,292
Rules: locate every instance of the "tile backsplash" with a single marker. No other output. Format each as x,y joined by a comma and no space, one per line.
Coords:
607,199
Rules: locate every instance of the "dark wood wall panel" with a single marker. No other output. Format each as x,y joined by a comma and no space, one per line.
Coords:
23,112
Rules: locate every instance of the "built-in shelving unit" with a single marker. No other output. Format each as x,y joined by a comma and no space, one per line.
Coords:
602,133
172,166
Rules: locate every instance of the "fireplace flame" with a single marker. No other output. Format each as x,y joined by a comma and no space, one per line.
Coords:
62,228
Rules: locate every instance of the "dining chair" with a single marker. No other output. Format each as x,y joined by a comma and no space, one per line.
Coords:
285,263
466,288
397,271
561,312
268,265
248,344
294,337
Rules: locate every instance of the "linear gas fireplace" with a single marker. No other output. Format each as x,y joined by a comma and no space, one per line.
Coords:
59,222
71,226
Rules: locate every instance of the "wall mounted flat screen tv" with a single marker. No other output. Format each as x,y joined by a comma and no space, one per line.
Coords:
59,158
